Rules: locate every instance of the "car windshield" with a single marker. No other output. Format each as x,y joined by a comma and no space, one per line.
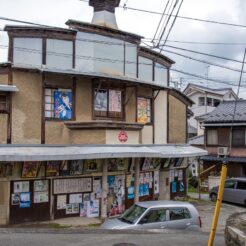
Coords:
132,214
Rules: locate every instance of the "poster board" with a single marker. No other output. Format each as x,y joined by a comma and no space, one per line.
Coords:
63,105
30,169
52,168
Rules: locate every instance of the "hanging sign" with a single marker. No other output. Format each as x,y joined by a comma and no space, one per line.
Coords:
123,137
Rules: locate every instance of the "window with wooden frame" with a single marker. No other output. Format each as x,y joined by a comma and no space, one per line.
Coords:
212,137
108,103
3,103
238,137
58,103
144,112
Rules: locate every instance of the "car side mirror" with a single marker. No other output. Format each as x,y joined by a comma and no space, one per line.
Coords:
143,221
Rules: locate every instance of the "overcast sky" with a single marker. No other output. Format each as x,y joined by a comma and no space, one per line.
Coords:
56,12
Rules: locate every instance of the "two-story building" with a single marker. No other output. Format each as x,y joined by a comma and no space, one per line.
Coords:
88,122
205,100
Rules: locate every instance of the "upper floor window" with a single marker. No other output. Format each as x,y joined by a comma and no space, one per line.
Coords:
238,137
212,137
58,104
216,102
201,101
209,101
108,103
144,114
3,103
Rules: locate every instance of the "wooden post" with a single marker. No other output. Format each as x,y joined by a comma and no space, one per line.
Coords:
199,179
136,178
104,189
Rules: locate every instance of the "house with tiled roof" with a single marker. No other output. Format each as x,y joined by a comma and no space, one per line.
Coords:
205,101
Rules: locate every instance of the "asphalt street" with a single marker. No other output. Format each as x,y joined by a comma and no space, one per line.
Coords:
105,238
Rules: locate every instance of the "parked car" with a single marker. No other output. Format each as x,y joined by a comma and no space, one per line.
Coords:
157,215
235,191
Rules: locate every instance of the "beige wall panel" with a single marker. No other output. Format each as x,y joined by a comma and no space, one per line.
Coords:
83,100
160,118
3,79
177,121
4,202
3,128
87,137
130,108
112,137
144,91
164,189
26,104
147,135
56,133
59,80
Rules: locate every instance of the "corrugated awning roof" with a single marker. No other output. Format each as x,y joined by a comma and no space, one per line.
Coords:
76,152
221,159
8,88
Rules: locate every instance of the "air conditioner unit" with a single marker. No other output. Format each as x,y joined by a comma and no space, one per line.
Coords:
222,151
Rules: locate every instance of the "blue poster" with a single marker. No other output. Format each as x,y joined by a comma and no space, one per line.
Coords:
174,187
63,105
143,190
181,188
111,181
130,192
25,201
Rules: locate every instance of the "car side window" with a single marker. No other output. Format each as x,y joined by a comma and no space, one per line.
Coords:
179,213
230,184
241,185
153,216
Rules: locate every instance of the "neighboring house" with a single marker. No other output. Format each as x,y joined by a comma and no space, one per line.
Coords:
218,127
88,122
205,100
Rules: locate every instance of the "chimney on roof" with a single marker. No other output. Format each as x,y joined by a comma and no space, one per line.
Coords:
104,12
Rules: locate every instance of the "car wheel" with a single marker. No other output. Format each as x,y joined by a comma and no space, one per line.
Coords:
213,197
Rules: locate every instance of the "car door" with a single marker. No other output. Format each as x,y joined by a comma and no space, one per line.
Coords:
153,219
240,192
179,218
229,191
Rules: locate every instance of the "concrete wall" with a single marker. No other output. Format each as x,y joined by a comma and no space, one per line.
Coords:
4,201
112,137
177,121
164,189
26,112
147,135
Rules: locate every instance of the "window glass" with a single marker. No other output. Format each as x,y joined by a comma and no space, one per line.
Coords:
153,216
212,137
179,213
100,100
241,185
58,103
238,137
132,214
144,110
224,136
216,102
209,101
201,101
3,103
145,69
230,184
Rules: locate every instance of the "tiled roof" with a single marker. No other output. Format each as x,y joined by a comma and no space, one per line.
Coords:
197,140
224,113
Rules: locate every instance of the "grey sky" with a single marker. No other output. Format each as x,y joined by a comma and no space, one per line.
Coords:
56,12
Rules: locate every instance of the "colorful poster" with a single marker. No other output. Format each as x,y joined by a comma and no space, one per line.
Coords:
91,165
130,192
171,175
41,185
25,200
97,188
174,187
61,202
75,198
147,165
15,199
83,209
100,100
93,210
181,188
156,182
86,197
30,169
143,106
21,186
63,105
41,197
114,101
180,174
76,167
52,168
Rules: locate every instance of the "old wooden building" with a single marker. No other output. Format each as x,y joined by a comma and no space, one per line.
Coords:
88,122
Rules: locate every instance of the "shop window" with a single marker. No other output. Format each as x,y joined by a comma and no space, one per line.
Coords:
201,101
179,213
58,104
216,102
212,137
108,103
3,103
238,137
209,101
144,110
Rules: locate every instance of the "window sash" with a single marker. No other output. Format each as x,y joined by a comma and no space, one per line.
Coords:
238,137
3,102
212,137
201,101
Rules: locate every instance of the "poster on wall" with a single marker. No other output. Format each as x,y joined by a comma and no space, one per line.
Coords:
76,167
116,164
97,188
130,192
143,107
52,168
86,197
91,166
147,164
41,185
180,175
83,209
156,182
15,199
114,101
181,188
63,105
41,197
30,169
174,187
61,202
25,200
75,198
100,100
21,186
171,175
143,190
64,169
93,209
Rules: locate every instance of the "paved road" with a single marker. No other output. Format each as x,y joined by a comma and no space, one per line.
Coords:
97,237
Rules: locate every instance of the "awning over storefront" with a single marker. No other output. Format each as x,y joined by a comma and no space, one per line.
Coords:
221,159
77,152
8,88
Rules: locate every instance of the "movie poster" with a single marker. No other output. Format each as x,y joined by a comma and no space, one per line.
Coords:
76,167
63,105
143,106
30,169
25,200
114,101
100,100
52,168
61,202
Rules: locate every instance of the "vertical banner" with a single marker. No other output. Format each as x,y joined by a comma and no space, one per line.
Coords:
63,105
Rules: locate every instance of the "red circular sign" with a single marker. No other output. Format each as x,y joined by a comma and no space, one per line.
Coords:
123,137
